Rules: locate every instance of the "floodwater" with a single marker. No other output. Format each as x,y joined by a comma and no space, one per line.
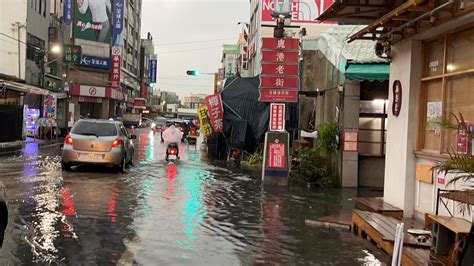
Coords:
159,214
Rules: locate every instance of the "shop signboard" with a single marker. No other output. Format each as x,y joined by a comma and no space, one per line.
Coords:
351,141
288,44
278,95
72,54
67,16
277,117
205,126
397,97
230,65
84,99
116,66
269,69
276,159
216,111
118,22
91,91
302,11
51,83
95,62
92,20
153,69
279,56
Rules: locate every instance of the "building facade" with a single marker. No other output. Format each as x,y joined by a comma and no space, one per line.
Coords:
431,77
194,101
148,71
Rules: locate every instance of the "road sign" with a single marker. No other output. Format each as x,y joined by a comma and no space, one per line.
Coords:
269,69
72,54
276,159
278,95
278,83
279,56
280,44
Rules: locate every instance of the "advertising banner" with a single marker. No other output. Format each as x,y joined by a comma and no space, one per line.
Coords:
116,66
288,44
205,126
72,54
96,62
49,107
118,22
277,117
92,20
230,65
216,112
302,11
67,16
153,68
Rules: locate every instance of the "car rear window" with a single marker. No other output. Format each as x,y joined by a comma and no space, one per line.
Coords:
95,129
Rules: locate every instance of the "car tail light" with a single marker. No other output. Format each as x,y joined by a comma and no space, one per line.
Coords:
68,140
116,143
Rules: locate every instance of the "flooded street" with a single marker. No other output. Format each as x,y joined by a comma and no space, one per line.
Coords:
158,214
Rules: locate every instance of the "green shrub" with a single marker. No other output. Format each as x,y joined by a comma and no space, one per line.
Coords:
253,160
312,168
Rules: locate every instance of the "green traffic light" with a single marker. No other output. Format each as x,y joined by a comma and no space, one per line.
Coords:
192,73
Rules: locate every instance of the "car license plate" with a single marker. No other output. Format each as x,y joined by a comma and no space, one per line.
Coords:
90,156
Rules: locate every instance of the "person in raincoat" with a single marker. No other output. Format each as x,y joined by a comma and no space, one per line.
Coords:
172,136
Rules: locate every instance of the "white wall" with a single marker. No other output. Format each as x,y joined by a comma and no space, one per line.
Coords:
8,46
399,186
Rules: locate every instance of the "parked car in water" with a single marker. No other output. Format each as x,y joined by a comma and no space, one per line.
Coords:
98,142
3,212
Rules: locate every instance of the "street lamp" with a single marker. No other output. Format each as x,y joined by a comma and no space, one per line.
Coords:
56,49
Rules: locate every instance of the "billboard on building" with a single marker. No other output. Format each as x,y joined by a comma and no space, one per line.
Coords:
302,11
92,20
230,65
118,22
153,68
67,16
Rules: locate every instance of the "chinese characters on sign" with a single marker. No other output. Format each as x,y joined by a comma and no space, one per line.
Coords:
397,97
205,126
153,67
97,62
67,16
116,65
276,155
72,54
117,22
277,117
279,75
351,140
216,112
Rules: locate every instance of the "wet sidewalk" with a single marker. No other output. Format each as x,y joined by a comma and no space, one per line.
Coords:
28,144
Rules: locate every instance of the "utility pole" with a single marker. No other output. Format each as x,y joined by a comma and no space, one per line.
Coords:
18,27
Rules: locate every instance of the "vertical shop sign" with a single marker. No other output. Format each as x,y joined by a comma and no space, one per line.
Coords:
153,68
216,111
49,107
116,66
117,22
277,117
397,97
204,122
67,16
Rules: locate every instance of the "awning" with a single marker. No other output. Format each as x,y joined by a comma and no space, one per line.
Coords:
370,72
16,86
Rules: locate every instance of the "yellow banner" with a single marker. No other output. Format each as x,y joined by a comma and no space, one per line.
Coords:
206,127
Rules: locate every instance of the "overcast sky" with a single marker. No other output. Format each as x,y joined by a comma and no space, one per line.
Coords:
189,34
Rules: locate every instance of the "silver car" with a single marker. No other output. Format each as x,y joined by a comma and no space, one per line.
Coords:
98,142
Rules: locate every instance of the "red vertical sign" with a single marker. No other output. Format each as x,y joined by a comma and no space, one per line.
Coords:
277,117
276,155
116,66
216,111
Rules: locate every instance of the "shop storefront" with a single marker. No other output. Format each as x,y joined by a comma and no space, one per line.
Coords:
431,78
96,101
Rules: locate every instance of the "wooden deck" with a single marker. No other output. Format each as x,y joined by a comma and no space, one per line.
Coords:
380,230
378,205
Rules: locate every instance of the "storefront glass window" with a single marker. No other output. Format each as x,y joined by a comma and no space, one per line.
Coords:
433,115
459,99
433,63
460,51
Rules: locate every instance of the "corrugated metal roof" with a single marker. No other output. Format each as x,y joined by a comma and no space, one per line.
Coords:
333,44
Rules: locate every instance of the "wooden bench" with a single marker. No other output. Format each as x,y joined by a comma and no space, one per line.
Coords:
378,205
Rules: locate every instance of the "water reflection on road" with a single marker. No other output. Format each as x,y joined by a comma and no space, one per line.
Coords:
155,214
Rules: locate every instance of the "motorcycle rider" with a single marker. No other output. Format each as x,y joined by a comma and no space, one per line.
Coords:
172,137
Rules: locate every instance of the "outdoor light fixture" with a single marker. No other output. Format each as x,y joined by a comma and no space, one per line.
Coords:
56,49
